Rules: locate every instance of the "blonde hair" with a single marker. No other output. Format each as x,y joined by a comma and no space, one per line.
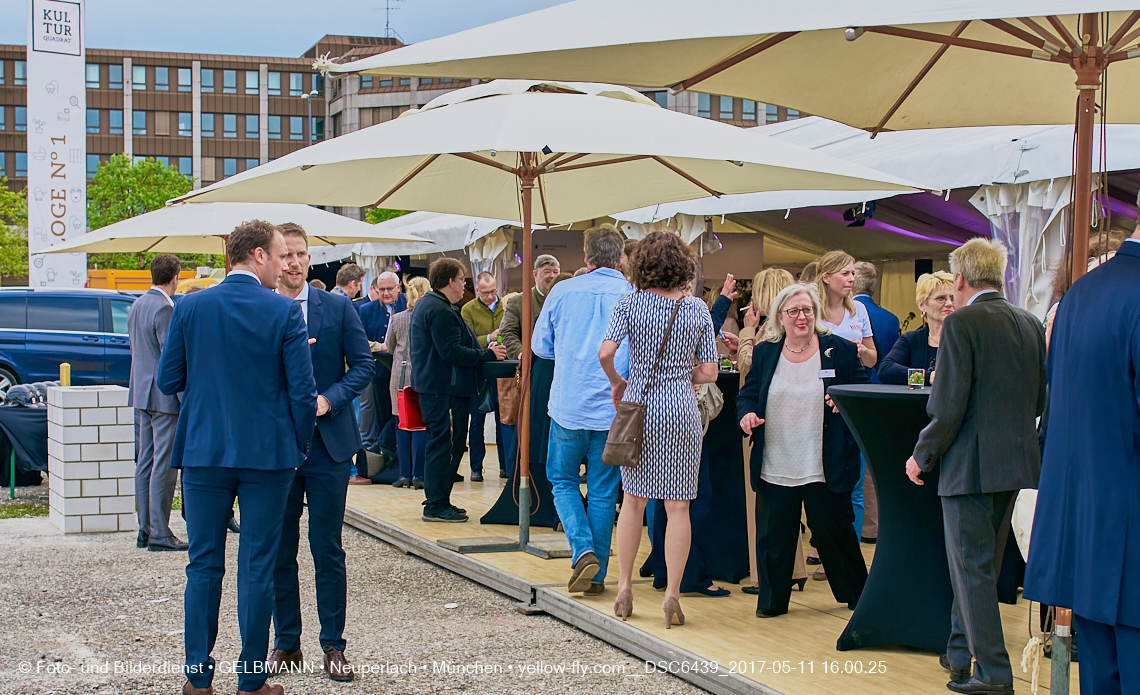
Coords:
981,262
929,282
414,288
810,273
774,330
833,262
766,285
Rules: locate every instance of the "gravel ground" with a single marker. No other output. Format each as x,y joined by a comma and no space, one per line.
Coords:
77,604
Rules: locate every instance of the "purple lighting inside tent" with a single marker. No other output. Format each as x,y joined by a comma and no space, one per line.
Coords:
882,226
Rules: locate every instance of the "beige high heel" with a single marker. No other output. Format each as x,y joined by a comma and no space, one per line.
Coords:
623,605
672,612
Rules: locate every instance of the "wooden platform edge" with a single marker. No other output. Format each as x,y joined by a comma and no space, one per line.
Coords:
610,630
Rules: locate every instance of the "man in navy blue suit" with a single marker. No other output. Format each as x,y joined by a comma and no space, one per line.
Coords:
336,339
239,355
884,324
377,427
1085,549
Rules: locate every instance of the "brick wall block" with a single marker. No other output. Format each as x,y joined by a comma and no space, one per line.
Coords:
64,452
117,469
77,506
77,471
100,488
127,451
65,488
116,505
73,397
98,416
114,396
73,435
116,433
126,416
126,486
98,452
100,523
63,416
128,522
67,524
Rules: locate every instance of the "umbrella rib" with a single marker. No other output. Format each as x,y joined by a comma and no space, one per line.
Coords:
1023,35
964,43
918,78
483,160
738,58
542,198
1124,42
564,162
147,249
324,240
550,162
1041,31
1059,27
1128,23
617,160
423,165
686,175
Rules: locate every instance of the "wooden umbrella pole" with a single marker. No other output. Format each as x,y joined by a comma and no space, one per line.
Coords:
527,178
1088,65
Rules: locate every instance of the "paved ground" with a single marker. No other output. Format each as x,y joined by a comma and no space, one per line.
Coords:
75,605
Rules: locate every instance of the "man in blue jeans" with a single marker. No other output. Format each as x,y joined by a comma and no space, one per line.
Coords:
570,331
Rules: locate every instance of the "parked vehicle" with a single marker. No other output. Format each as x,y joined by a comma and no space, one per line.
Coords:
40,328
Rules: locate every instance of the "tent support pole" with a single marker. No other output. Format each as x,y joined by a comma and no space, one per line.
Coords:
1089,66
527,184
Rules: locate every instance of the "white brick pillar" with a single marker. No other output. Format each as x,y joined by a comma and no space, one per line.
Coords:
91,466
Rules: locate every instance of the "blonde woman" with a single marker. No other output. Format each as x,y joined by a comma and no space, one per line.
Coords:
841,313
919,349
411,447
803,453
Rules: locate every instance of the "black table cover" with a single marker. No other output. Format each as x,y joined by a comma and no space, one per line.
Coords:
907,598
25,431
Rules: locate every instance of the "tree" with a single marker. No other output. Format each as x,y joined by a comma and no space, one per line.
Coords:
378,215
122,189
13,231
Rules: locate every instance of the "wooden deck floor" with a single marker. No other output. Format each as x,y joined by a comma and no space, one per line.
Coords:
791,655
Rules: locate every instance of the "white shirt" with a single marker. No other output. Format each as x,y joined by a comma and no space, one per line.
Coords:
303,298
163,293
979,294
793,427
853,327
1133,239
245,272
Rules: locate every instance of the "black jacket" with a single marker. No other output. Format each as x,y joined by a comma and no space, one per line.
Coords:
840,452
912,351
444,355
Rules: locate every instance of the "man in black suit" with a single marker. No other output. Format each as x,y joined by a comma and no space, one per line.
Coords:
983,409
377,426
336,339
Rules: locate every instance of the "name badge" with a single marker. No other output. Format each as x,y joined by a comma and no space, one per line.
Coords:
827,374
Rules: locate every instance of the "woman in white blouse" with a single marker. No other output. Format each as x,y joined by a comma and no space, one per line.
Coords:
845,317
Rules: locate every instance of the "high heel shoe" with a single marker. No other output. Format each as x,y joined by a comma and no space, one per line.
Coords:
800,582
623,605
672,610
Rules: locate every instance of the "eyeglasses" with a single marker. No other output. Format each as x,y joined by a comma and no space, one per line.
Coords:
386,289
806,312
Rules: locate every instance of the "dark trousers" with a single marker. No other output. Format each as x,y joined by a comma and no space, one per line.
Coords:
475,438
323,484
412,450
1108,657
510,447
376,411
446,419
830,517
208,497
976,530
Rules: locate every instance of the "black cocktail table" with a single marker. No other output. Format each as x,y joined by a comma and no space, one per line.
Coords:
908,595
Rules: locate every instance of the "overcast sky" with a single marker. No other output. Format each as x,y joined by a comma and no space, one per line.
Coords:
264,27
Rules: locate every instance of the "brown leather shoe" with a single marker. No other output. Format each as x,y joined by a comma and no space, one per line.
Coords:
265,689
337,666
359,480
188,689
280,660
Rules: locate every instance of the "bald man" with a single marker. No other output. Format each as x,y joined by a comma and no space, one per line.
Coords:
375,401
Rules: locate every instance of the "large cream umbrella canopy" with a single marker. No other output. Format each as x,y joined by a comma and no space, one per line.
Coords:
203,228
875,64
555,152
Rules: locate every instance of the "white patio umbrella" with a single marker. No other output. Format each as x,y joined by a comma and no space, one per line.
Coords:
875,64
587,149
203,228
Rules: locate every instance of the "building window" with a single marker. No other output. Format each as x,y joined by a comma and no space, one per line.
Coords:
115,76
251,80
92,165
661,97
1,118
366,81
21,165
207,125
748,109
92,120
274,127
386,82
3,160
425,80
138,77
726,108
116,122
21,118
20,77
319,84
229,167
704,109
771,113
208,81
251,163
405,81
274,85
184,82
162,79
446,79
318,128
793,114
296,88
1,82
163,160
229,125
186,166
229,81
92,76
138,122
185,124
296,128
251,126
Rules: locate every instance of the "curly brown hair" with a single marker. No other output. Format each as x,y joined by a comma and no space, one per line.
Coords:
662,261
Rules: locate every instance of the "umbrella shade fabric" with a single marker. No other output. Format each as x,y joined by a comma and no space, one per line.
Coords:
203,228
798,55
591,154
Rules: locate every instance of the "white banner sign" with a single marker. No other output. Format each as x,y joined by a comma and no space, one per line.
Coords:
57,140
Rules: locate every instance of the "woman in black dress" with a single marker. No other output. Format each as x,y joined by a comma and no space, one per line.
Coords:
919,349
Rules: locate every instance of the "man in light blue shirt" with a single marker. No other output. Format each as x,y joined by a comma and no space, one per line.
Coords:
570,331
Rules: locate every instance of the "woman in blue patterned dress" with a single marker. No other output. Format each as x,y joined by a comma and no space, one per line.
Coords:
662,268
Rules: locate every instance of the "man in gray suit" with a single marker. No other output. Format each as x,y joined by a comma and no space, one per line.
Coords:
989,390
156,414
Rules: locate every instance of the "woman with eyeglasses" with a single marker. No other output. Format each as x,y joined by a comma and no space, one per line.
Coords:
802,451
919,349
